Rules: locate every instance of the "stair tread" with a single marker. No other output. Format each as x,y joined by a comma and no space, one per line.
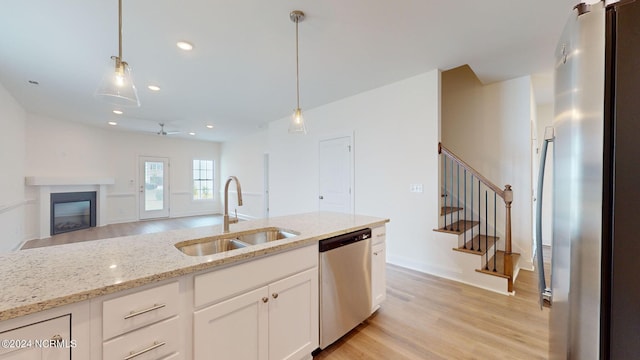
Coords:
448,210
458,227
478,249
499,266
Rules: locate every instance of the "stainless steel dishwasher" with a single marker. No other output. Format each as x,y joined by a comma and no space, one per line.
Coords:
345,284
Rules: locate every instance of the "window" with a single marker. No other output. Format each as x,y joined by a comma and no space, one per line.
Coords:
202,179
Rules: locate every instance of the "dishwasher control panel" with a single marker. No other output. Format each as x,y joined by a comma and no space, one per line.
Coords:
343,240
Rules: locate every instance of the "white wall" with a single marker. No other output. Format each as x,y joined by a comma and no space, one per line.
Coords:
395,129
244,158
57,148
12,155
489,127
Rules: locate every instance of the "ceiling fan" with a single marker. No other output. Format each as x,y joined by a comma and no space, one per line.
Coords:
165,133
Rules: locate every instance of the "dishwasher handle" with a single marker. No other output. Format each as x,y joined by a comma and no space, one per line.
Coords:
343,240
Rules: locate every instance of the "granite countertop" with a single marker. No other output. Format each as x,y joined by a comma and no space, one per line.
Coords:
38,279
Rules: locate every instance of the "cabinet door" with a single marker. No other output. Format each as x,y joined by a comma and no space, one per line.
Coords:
233,329
33,342
378,276
293,316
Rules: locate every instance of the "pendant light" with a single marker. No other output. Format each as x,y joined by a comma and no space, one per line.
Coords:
117,85
297,121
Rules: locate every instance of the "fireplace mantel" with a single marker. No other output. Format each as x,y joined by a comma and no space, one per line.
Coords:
63,181
47,185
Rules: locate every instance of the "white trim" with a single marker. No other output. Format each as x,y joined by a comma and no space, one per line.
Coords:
62,181
12,205
121,195
351,135
213,178
441,272
166,187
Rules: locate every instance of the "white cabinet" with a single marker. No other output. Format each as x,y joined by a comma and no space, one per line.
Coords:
233,329
276,320
150,342
141,325
46,340
378,268
293,316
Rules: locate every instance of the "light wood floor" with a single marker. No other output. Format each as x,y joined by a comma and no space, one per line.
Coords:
424,316
132,228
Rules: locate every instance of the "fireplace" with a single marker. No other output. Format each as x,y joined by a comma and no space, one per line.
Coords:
71,211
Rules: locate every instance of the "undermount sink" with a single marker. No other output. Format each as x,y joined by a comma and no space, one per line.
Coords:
210,246
232,241
265,235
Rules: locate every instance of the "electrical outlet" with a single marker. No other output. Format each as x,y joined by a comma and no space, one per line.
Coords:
416,188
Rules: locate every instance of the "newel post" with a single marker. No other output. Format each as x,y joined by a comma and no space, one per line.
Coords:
508,262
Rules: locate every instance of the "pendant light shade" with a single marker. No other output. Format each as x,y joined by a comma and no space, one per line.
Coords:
117,85
296,126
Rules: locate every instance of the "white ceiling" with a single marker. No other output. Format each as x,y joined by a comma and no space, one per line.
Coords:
241,73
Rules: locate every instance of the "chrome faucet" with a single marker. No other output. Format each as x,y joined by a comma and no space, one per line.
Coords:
226,200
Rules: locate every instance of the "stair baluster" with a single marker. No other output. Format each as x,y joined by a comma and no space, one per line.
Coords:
486,232
444,162
451,200
479,218
458,181
465,209
495,236
472,247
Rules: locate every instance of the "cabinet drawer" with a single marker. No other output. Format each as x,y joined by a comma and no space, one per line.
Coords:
130,312
151,342
224,283
34,340
378,234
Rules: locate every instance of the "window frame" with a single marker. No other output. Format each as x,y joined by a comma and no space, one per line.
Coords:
198,196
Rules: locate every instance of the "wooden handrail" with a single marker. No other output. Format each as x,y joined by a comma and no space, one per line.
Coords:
484,180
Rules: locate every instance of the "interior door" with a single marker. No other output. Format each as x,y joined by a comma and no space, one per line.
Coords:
154,187
336,169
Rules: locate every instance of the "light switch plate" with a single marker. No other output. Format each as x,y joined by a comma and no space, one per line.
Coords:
416,188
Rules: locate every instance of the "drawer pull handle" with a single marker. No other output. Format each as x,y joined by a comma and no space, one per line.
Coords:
275,295
152,347
57,338
136,313
265,299
375,253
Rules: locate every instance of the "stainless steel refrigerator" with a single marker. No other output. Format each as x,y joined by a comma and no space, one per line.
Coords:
595,266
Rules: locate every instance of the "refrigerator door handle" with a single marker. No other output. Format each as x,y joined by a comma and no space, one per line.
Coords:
544,292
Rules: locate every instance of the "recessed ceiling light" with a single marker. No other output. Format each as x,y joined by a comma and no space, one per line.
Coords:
209,126
186,46
112,123
192,133
118,112
153,88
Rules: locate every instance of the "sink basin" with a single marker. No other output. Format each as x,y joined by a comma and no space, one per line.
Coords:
232,241
209,246
265,235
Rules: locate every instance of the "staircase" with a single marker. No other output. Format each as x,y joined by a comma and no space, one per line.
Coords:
476,226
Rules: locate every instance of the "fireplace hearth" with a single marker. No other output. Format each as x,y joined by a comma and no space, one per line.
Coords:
71,211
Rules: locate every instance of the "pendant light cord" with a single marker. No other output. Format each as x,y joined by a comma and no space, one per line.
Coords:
120,29
297,70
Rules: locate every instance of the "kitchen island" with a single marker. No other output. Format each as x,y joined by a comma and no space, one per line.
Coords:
84,278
